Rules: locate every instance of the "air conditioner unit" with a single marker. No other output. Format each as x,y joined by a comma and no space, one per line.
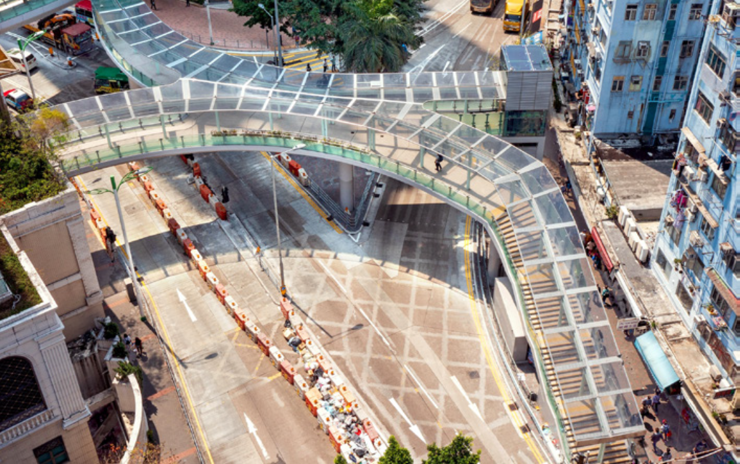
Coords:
580,73
696,240
624,213
702,175
630,226
689,172
693,208
634,237
730,14
643,251
577,63
595,30
590,7
690,216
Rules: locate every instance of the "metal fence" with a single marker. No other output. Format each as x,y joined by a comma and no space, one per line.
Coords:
238,44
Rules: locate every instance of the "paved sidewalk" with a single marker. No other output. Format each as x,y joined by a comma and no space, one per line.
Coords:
161,403
228,27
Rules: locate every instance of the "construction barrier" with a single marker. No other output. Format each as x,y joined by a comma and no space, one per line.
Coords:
181,236
336,437
173,226
300,385
348,397
370,430
324,419
263,343
187,246
285,159
211,280
252,330
148,187
154,196
285,307
221,211
161,206
302,333
303,177
231,304
94,216
313,397
276,357
196,170
288,371
293,167
167,214
144,179
195,255
221,293
240,318
184,159
203,270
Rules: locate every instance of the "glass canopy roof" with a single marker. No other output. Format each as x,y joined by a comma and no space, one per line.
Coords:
484,174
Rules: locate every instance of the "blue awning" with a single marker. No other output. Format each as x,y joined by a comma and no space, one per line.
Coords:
657,362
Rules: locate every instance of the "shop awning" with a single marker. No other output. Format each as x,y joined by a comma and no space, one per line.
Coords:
602,250
693,140
657,362
724,290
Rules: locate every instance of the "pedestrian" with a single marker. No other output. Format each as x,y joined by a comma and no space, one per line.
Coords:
665,430
187,3
667,456
700,447
656,403
597,261
333,65
326,65
139,346
582,234
308,67
605,294
646,402
154,5
655,438
438,163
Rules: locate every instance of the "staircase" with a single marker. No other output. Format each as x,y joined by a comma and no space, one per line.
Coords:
551,314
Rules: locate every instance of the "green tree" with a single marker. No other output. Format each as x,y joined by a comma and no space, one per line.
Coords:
340,459
459,451
395,453
256,15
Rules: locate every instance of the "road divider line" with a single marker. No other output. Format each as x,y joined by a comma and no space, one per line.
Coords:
412,427
184,302
473,407
418,382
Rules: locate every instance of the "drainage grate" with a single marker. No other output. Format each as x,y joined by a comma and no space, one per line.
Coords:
513,407
524,428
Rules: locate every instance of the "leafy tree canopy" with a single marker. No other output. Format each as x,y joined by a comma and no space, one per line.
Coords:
340,459
395,453
459,451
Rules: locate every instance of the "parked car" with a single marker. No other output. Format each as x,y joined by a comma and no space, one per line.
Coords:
15,55
18,100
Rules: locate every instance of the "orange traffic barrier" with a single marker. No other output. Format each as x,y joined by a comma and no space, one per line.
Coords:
187,246
230,304
184,160
300,385
181,236
285,307
348,396
196,256
134,166
211,280
293,167
167,214
143,178
288,371
205,192
221,211
148,187
264,343
161,206
221,293
302,333
276,357
153,195
94,215
173,226
203,269
312,400
324,419
196,170
252,330
336,437
240,318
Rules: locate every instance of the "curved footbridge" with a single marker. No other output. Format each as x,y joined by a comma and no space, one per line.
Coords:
202,100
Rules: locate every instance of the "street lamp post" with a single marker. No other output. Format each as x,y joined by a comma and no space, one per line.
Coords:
277,216
22,44
272,24
130,175
279,45
208,13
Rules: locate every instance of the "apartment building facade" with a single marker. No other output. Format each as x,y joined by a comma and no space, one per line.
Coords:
630,63
697,252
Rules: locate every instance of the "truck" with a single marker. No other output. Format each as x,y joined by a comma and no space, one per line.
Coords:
84,12
482,6
516,11
110,80
65,33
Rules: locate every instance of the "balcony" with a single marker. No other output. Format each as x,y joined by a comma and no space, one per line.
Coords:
40,419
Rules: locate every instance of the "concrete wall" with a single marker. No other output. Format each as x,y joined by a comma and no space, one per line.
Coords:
510,319
36,334
52,234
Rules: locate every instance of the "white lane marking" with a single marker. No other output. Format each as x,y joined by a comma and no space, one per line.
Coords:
182,299
418,382
445,68
426,61
341,287
413,427
252,430
472,406
461,30
428,28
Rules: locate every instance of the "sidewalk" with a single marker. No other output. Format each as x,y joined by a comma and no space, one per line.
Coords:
228,28
161,403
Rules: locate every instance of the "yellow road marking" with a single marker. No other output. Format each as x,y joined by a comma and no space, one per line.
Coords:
275,376
300,190
164,334
244,345
259,363
518,423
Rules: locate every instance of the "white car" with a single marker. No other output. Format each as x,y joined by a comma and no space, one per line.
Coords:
15,55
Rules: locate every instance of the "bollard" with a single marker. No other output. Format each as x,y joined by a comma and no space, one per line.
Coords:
148,187
205,192
94,215
196,256
252,330
181,236
159,204
211,280
221,211
313,397
188,247
324,419
196,170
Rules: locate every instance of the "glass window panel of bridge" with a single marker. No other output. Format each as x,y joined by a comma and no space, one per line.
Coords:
366,106
586,307
598,342
106,12
552,313
469,134
512,191
443,126
147,20
553,208
292,79
495,146
186,68
115,107
622,413
532,245
610,377
395,94
541,278
124,26
394,80
538,179
305,108
576,273
450,150
573,383
369,94
419,80
515,159
469,93
584,419
565,241
487,166
366,80
423,94
149,47
354,117
86,112
563,348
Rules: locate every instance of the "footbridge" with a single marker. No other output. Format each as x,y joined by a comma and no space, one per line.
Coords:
197,99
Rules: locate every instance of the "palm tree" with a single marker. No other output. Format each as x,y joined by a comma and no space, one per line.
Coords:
374,37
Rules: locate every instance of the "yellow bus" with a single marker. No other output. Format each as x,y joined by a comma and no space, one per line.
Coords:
514,15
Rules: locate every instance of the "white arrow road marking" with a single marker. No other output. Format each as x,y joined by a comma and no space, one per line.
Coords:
182,299
418,382
253,431
472,406
414,428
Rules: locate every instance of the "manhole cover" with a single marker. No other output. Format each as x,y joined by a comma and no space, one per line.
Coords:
474,375
513,406
524,428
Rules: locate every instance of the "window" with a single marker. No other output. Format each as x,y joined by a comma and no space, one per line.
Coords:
706,229
663,263
728,136
696,266
719,188
624,49
20,392
618,84
635,83
630,14
643,49
720,304
648,14
664,48
736,328
736,84
704,108
51,452
672,115
687,48
684,297
695,11
656,83
672,12
680,82
716,61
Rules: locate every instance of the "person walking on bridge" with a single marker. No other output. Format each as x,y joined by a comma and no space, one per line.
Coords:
438,163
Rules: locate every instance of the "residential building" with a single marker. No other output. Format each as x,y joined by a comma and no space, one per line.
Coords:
628,64
696,256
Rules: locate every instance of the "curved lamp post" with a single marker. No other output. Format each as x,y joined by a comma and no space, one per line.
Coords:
129,176
22,45
272,24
